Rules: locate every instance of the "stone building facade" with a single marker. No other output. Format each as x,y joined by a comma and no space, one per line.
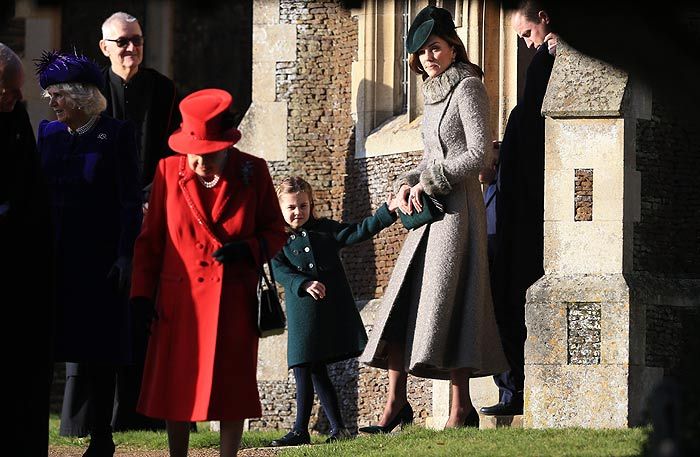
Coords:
331,99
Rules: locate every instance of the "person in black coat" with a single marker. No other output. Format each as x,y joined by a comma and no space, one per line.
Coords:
142,95
149,100
520,206
25,250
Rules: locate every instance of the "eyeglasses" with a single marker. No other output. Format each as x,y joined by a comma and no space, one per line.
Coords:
123,42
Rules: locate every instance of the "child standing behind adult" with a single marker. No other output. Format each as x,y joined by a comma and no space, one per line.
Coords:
324,325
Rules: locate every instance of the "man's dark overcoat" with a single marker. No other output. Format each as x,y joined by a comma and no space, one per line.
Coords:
25,250
520,211
160,118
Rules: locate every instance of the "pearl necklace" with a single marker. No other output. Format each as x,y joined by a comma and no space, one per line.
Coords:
85,128
209,184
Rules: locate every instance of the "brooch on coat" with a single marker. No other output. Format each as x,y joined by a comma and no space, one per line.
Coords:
247,171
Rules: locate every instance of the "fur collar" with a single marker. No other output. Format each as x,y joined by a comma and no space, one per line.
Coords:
436,88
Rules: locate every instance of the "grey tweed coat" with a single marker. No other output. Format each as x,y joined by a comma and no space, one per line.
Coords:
451,323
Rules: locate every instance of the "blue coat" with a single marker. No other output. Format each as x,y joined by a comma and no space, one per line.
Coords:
95,197
330,329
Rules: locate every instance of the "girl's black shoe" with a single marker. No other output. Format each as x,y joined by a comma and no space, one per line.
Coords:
404,417
338,435
293,438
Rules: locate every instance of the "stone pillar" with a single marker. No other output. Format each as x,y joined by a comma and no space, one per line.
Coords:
588,354
273,43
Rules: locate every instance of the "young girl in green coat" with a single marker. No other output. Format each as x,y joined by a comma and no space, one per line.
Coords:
323,323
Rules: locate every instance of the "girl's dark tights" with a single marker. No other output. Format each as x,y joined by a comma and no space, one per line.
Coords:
308,378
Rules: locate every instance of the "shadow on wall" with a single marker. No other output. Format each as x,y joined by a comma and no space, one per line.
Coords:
367,186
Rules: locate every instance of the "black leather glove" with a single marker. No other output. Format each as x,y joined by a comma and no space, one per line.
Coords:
232,252
120,273
143,312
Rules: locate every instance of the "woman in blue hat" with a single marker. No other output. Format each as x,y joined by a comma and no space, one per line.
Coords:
90,164
436,319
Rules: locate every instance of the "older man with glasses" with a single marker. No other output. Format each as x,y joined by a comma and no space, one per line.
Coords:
149,99
133,92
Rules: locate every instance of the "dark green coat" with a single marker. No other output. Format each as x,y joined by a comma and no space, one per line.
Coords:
330,329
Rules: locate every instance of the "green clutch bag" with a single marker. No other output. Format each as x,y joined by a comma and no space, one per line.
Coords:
433,210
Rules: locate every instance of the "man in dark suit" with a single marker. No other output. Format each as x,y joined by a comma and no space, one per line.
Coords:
149,99
136,93
25,248
520,205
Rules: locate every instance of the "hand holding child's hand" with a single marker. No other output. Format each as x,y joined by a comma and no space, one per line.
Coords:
392,202
315,288
403,197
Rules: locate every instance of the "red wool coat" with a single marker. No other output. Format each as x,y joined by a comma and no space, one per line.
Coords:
202,353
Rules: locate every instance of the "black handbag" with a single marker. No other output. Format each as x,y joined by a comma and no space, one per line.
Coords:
433,210
271,319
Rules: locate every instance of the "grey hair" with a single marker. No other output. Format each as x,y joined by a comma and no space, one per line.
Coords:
119,16
78,95
9,63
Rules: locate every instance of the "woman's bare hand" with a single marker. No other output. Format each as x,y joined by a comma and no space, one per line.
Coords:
415,198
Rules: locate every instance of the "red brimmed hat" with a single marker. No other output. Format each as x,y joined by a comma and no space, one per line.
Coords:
203,129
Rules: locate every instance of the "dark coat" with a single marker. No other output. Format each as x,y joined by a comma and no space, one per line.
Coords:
329,329
520,205
161,117
96,206
25,252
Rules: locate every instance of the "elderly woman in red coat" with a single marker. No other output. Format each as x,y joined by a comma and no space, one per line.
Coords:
195,265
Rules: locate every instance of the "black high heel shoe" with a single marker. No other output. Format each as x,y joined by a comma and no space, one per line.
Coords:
472,419
404,417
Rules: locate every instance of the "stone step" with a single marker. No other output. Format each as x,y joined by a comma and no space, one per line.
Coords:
488,422
485,422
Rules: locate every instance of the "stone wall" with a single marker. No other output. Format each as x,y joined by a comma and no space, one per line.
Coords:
316,87
320,148
368,184
667,239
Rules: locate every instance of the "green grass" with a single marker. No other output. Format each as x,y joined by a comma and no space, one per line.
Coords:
414,442
203,438
417,441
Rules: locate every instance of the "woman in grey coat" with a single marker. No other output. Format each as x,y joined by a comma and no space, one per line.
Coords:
437,319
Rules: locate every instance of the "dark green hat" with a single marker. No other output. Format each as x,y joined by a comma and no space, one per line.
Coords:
430,19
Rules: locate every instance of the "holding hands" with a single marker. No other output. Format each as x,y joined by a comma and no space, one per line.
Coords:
410,197
315,288
392,202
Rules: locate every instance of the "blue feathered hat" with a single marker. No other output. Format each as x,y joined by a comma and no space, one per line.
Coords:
56,67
